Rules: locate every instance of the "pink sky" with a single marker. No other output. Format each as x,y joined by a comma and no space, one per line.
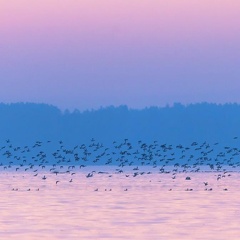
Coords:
89,53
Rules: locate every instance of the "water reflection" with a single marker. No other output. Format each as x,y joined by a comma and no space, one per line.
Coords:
148,210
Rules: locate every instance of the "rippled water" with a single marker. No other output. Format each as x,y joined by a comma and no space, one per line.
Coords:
147,210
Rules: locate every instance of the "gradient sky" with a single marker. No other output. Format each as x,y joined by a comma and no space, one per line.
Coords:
90,53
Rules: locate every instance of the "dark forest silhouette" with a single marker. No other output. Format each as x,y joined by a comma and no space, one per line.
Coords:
28,122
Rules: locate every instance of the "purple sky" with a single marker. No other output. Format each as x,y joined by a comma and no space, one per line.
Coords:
90,53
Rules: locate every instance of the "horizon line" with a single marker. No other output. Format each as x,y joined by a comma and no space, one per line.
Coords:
167,105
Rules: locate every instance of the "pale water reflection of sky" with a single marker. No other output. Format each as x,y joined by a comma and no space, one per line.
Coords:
147,210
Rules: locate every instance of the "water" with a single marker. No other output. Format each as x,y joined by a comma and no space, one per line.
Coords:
155,206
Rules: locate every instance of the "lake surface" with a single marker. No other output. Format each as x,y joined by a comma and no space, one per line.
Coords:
110,205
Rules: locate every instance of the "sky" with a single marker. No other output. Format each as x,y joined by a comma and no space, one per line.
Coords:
88,54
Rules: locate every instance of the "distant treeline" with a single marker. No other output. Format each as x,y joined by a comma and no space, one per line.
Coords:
28,122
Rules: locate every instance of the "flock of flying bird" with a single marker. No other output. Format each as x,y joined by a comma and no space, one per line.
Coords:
44,159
